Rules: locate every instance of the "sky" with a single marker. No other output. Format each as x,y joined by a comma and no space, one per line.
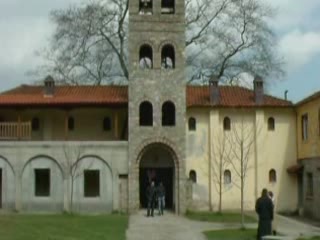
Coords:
25,27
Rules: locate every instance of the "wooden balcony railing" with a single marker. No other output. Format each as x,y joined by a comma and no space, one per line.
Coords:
15,131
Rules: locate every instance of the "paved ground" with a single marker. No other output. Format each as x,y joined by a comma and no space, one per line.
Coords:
173,227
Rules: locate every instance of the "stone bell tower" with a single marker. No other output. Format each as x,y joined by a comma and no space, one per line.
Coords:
157,91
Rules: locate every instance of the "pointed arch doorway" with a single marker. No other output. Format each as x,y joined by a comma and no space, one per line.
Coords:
158,164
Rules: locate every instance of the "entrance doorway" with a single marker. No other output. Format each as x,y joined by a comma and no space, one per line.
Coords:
0,187
157,165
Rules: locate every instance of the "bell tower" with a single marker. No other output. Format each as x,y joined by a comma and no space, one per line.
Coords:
157,90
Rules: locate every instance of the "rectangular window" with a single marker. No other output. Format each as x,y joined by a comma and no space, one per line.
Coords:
42,182
91,183
319,121
309,185
304,126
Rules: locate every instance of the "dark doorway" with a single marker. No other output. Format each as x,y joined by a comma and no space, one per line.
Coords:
0,187
164,175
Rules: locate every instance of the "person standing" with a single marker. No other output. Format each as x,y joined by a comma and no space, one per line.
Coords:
161,194
151,197
264,208
273,225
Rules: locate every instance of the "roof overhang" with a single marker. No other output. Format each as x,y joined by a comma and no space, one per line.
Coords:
295,169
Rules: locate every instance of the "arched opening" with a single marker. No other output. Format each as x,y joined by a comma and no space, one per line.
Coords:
227,124
271,124
168,57
42,185
192,124
167,6
145,7
193,176
168,114
272,176
145,57
157,164
227,177
146,114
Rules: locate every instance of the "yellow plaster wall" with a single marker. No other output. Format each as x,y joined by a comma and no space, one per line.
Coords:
269,149
311,147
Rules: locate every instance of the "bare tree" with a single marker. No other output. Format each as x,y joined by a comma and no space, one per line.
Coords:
227,38
72,165
241,139
221,154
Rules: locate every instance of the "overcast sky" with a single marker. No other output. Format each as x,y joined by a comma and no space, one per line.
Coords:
25,28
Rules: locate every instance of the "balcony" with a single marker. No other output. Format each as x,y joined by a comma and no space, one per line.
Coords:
15,131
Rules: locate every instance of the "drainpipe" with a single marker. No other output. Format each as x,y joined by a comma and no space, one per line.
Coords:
209,163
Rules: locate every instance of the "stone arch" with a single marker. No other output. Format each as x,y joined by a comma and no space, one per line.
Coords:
168,56
7,187
52,171
103,200
159,140
169,148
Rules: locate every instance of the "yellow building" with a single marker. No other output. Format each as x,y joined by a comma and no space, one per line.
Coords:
308,142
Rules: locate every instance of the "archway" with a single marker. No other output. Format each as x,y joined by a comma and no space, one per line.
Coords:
158,164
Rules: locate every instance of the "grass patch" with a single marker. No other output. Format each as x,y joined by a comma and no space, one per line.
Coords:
62,227
237,234
217,217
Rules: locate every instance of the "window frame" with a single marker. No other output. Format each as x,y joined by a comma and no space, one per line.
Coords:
71,123
310,185
168,117
271,124
90,193
226,124
39,189
305,126
272,176
146,108
192,124
193,176
107,124
227,176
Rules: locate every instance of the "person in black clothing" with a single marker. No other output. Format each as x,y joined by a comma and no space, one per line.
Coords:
151,197
264,208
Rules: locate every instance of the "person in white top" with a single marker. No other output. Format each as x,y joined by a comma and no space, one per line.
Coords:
271,196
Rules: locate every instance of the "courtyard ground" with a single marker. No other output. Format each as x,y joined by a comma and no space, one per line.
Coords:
173,227
62,227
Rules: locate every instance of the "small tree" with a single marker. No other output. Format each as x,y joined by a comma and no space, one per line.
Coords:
241,139
221,153
72,165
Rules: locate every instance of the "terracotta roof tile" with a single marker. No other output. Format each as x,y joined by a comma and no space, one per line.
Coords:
230,96
197,96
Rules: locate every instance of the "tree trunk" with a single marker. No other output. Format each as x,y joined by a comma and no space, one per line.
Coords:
71,196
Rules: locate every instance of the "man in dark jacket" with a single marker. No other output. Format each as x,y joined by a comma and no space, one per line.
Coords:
161,194
151,198
264,208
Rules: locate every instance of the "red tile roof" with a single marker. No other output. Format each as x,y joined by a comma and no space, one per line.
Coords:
231,96
197,96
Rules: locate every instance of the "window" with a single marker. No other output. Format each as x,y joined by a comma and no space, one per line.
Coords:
106,124
145,57
145,7
91,183
271,125
42,182
168,114
192,124
193,176
70,123
167,6
226,124
35,124
304,126
272,176
227,177
167,57
146,114
309,192
319,121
